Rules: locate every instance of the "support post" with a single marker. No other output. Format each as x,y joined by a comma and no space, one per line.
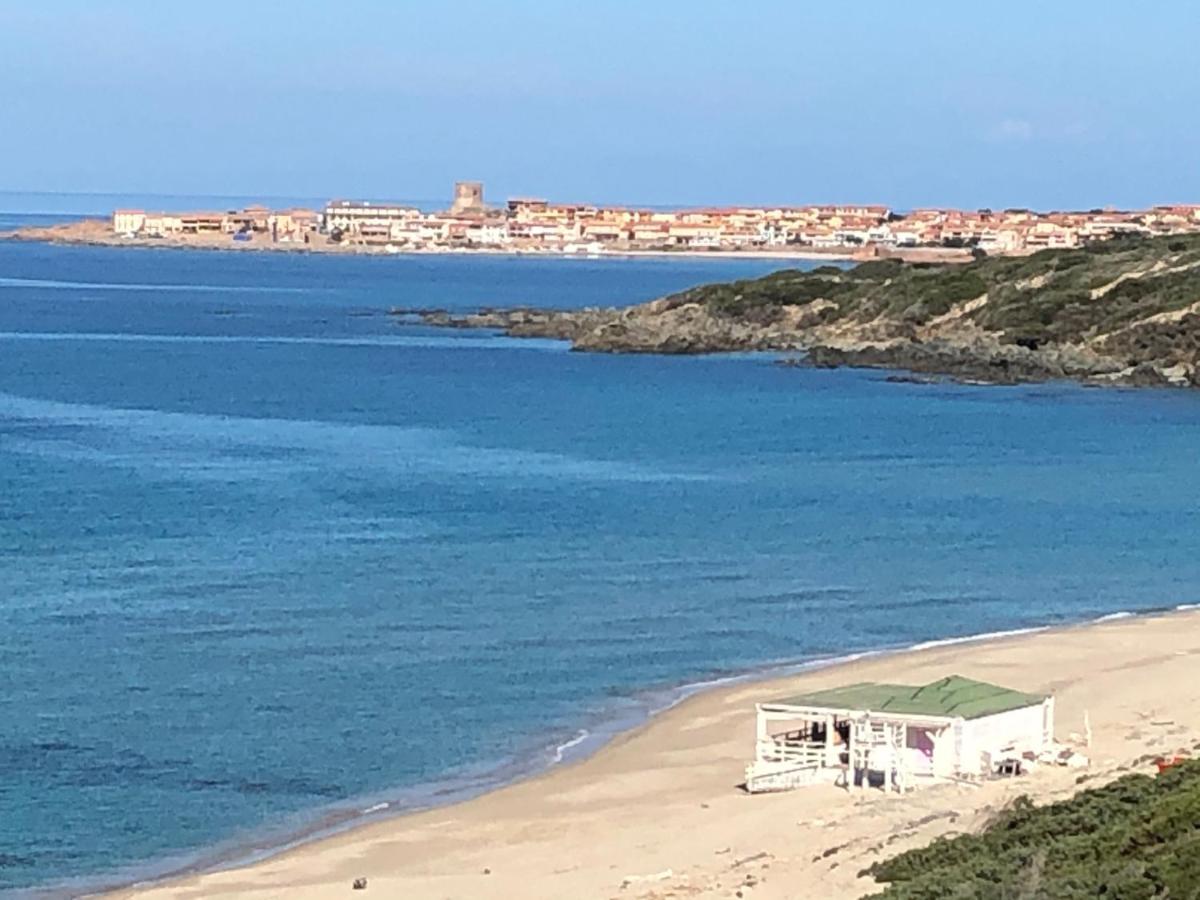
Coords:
889,734
850,758
866,756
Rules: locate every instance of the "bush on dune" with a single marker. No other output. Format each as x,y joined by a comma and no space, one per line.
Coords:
1138,837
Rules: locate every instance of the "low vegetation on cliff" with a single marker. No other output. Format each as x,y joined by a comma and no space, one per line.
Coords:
1053,295
1134,839
1121,311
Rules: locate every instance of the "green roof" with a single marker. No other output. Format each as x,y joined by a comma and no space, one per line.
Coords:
950,697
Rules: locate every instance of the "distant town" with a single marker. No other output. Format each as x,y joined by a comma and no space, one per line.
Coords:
525,224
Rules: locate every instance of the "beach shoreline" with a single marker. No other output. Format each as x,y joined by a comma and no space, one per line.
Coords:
307,866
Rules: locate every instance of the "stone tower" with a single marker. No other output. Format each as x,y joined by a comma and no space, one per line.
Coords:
468,197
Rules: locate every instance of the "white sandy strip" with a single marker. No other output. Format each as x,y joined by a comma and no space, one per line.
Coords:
658,813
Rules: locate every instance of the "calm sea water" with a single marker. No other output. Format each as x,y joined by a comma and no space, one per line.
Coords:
268,559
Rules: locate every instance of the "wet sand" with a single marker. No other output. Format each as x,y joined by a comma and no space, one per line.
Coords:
659,813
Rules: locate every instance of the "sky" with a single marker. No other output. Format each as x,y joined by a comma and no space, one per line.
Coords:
1053,104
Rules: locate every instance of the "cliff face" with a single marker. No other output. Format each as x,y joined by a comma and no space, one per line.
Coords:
1124,311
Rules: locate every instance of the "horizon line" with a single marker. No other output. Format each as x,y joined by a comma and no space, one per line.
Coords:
614,204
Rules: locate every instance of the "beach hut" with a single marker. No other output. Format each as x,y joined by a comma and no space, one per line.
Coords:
896,736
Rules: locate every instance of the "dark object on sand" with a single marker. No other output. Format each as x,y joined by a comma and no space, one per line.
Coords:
1009,767
360,884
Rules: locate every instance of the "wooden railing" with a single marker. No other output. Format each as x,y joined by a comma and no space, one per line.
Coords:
788,750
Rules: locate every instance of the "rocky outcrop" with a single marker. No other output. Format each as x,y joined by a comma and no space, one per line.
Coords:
1127,312
662,327
980,360
520,322
656,327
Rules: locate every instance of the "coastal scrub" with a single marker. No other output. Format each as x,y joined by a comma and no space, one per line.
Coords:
1138,837
1123,311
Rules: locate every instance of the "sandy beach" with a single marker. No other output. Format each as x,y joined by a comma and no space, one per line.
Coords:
659,813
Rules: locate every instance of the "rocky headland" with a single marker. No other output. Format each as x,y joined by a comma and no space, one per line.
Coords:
1124,311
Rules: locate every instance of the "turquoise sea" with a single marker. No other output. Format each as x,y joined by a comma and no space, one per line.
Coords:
269,559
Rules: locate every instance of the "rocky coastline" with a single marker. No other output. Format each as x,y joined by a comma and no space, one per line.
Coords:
692,332
1123,314
651,328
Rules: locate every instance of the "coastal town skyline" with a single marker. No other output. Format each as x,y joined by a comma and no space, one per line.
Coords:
540,224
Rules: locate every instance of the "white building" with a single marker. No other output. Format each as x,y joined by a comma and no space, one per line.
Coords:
489,233
128,221
897,735
999,240
367,219
162,224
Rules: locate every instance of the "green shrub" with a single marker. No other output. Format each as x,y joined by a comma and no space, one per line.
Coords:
1041,298
877,270
1136,837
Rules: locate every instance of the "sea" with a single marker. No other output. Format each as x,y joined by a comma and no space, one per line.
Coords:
273,561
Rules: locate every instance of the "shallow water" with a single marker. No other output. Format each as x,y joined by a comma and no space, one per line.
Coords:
267,556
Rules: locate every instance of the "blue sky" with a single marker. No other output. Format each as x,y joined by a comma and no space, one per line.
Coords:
1049,104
